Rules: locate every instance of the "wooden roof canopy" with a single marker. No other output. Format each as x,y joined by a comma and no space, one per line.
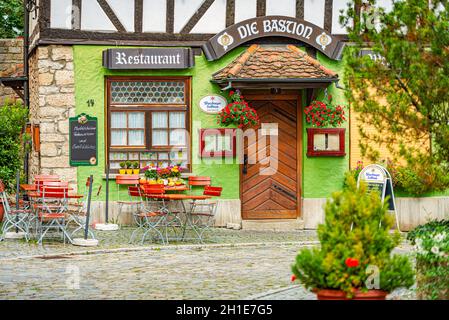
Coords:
286,67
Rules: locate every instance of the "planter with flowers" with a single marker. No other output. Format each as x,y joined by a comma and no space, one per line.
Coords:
170,175
354,260
321,114
238,112
431,242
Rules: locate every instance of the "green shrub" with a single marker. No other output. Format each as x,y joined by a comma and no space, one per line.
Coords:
431,242
355,236
13,117
414,179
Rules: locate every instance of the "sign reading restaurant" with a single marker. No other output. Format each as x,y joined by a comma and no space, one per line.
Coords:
148,58
272,26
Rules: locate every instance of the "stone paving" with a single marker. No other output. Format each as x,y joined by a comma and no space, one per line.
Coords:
243,265
119,239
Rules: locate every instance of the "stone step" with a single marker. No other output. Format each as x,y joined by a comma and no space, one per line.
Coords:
273,224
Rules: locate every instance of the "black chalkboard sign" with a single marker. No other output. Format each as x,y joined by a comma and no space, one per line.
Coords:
83,140
379,187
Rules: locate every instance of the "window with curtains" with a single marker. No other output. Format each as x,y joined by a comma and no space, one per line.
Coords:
148,121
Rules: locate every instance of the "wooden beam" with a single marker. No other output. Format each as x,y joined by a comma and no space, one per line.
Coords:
261,8
170,16
111,15
44,15
300,9
230,12
76,14
119,38
197,16
138,15
328,8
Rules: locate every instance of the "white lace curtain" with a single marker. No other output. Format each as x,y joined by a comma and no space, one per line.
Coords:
134,121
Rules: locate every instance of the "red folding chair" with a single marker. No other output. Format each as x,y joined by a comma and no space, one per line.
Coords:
199,181
126,180
77,217
202,213
152,216
52,210
17,220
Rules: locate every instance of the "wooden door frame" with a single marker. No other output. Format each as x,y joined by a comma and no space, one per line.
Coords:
299,145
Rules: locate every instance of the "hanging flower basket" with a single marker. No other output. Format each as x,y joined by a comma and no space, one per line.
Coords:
323,114
238,112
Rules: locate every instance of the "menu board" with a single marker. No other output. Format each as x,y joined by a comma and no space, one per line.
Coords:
83,140
378,178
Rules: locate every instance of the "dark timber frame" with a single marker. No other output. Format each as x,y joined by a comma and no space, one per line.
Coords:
49,35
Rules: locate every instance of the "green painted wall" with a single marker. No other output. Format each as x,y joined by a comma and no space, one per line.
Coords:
321,176
90,84
324,175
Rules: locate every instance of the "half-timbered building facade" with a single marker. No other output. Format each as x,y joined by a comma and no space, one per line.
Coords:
151,73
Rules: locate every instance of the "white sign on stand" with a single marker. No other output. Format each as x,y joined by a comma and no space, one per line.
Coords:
378,178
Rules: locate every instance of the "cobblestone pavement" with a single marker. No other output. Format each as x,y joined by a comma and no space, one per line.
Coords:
243,265
297,292
119,239
233,272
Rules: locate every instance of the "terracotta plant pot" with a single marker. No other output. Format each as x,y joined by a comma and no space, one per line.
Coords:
330,294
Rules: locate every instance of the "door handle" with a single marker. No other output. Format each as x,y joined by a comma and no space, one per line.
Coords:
245,164
287,193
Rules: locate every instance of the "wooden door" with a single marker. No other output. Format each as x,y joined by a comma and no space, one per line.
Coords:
268,192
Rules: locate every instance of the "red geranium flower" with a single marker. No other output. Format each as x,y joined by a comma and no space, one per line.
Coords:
351,262
293,277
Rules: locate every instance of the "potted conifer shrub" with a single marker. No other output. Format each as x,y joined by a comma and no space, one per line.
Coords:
135,166
354,260
129,169
122,169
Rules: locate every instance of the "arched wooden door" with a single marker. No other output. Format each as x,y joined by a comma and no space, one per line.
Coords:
271,190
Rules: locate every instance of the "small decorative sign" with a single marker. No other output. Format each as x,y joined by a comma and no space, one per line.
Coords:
213,104
83,140
148,58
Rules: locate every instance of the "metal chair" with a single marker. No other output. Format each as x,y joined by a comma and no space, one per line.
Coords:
202,214
153,214
51,212
199,181
127,180
13,218
77,217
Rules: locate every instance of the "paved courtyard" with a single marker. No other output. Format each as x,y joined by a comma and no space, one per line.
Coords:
242,265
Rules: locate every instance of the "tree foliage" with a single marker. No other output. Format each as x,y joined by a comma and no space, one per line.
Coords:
13,117
405,95
11,18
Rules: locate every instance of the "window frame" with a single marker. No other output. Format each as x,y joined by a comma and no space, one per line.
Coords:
311,132
148,110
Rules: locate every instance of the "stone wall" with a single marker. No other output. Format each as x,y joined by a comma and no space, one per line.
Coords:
11,54
52,102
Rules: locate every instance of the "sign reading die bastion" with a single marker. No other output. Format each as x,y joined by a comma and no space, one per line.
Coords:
271,26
